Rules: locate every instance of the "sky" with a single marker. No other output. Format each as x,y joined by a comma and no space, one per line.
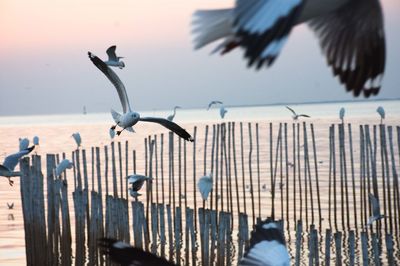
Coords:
44,68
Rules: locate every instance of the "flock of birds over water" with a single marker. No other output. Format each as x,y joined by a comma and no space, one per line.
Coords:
352,38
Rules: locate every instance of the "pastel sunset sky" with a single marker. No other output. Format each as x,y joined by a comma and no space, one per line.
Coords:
44,66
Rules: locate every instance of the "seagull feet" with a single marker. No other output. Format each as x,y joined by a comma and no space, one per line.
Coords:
119,132
113,127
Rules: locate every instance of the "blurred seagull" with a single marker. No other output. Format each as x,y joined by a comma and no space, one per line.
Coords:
62,166
113,59
213,103
351,35
124,254
77,138
267,246
381,112
36,140
8,166
222,111
341,114
10,206
205,184
376,212
137,181
112,133
171,117
295,115
129,118
23,144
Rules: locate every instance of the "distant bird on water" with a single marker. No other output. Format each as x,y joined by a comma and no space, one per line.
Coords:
222,111
8,166
381,112
213,103
205,185
171,117
113,59
78,139
124,254
63,165
376,212
296,116
129,118
350,32
267,246
10,206
341,114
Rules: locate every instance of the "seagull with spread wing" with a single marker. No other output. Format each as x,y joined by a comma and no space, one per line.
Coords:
113,59
350,32
296,116
129,118
8,166
213,103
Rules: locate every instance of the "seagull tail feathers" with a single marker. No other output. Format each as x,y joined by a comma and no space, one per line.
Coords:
211,25
115,115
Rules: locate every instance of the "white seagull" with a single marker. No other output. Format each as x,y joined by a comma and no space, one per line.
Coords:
63,165
350,32
171,117
376,212
267,246
124,254
296,116
77,138
222,111
381,112
8,166
341,114
129,118
23,144
36,140
113,59
112,133
213,103
205,185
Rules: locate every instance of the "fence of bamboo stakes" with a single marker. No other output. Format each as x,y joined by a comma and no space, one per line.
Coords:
169,223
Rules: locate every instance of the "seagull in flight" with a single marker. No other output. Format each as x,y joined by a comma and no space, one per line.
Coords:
205,184
171,117
10,206
213,103
113,59
350,33
129,118
267,246
8,166
376,212
124,254
222,111
381,112
296,116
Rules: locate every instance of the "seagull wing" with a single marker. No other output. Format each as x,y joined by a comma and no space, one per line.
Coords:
353,41
125,254
111,53
263,26
291,110
375,205
12,160
303,115
170,125
77,138
110,74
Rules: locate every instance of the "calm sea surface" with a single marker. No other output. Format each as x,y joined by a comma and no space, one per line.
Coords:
55,133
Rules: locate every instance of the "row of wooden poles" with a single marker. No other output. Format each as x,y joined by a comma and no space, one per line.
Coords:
169,216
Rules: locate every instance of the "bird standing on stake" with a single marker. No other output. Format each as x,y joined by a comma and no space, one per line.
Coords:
205,185
62,166
341,114
129,118
381,112
350,32
78,139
